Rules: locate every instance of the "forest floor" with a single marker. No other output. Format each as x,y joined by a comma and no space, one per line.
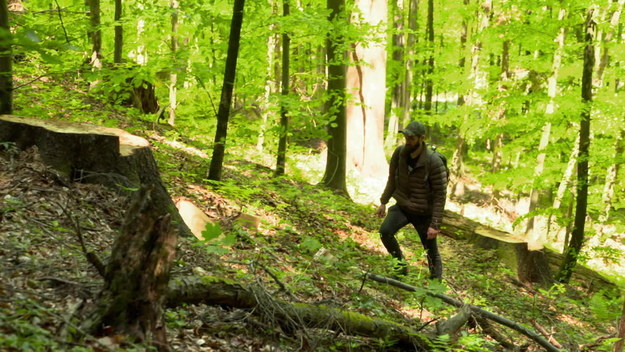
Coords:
312,246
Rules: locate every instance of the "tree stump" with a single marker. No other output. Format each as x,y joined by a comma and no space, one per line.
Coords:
137,276
93,154
530,265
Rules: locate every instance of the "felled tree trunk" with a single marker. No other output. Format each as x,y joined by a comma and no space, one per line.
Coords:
93,154
208,290
137,276
512,250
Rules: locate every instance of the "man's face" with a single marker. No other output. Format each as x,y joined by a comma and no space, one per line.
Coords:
413,142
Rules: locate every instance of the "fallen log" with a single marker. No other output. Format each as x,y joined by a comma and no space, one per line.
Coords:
512,250
290,316
86,153
474,309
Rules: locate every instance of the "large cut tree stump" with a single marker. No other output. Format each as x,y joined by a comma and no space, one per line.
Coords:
93,154
137,276
513,251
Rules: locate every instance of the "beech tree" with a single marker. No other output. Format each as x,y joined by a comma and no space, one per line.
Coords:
6,59
336,164
223,115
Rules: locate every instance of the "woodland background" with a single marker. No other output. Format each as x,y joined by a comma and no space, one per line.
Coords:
524,98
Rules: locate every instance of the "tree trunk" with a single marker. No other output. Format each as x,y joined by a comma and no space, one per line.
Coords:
470,98
366,90
336,164
577,236
119,33
604,46
290,316
6,60
95,34
618,346
536,230
284,118
429,83
92,154
173,76
223,115
612,174
137,276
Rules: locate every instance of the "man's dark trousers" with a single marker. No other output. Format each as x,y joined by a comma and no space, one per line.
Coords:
394,221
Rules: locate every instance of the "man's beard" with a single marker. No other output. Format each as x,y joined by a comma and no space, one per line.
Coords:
412,148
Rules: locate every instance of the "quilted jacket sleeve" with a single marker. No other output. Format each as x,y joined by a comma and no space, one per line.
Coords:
392,178
438,183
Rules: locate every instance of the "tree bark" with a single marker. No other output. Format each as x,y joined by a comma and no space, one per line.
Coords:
429,83
618,346
93,154
173,76
95,33
336,164
223,114
137,276
6,61
119,33
366,91
284,118
577,236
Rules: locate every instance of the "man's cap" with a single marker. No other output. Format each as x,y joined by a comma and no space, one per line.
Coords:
415,128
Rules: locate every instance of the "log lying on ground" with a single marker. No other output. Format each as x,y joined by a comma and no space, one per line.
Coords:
290,316
137,276
509,246
93,154
475,309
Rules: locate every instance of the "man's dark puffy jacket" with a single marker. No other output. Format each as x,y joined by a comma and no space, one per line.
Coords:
412,191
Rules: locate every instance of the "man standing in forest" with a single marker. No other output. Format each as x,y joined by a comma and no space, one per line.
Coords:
418,181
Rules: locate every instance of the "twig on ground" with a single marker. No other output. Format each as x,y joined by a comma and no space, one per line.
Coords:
476,310
91,257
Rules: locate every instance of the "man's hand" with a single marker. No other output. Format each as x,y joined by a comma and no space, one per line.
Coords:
432,233
381,212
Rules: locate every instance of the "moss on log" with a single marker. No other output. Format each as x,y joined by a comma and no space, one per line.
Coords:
291,316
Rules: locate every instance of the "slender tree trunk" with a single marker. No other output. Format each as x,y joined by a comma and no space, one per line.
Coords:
95,33
618,346
536,230
223,114
6,60
173,76
401,107
273,49
603,51
612,175
284,119
429,83
336,164
577,236
397,16
501,109
119,33
471,98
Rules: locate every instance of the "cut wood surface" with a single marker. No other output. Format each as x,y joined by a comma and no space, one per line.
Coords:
92,154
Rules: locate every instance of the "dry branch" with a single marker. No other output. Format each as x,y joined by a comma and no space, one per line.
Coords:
476,310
